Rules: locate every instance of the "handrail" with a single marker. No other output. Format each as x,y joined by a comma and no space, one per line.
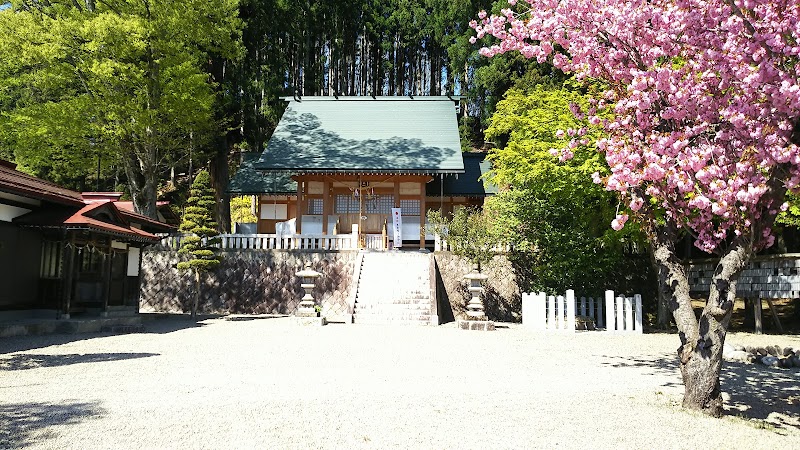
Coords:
274,242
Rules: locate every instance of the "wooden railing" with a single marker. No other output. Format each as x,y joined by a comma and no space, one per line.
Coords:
441,245
275,242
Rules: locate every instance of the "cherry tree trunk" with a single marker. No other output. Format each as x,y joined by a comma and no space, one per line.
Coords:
702,340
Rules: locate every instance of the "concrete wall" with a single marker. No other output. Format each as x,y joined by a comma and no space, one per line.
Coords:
247,281
502,297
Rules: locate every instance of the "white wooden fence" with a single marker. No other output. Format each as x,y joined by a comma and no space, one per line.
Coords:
276,241
557,313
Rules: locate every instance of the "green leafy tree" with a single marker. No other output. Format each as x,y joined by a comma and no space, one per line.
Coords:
469,233
122,80
556,217
202,242
241,210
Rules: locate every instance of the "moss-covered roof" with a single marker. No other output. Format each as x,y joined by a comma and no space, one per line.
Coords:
249,181
365,135
468,184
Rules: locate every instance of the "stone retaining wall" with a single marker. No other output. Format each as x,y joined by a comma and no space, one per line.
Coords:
502,297
247,282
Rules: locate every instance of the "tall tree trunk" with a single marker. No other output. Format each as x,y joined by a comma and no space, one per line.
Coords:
141,174
220,177
662,307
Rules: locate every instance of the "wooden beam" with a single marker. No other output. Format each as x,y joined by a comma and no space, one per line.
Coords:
757,315
326,204
107,279
396,192
775,319
422,215
299,213
66,276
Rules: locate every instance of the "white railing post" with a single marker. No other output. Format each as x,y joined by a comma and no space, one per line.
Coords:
592,311
527,310
609,310
541,311
600,317
638,300
551,312
560,312
583,306
570,310
628,314
620,312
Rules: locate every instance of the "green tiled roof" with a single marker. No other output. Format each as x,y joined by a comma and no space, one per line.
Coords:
249,181
467,184
365,135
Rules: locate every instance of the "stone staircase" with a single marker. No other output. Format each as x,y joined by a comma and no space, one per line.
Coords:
396,288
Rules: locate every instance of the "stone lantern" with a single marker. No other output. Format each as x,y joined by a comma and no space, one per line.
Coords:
476,317
306,312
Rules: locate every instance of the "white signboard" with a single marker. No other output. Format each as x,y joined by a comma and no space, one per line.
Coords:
133,261
397,225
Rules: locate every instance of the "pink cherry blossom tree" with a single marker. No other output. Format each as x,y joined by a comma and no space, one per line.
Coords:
701,126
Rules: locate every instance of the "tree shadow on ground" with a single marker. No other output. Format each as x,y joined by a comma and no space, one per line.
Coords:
15,344
163,323
249,318
757,393
153,324
20,422
25,361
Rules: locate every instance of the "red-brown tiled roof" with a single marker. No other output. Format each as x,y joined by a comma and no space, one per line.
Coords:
68,217
16,182
163,207
83,217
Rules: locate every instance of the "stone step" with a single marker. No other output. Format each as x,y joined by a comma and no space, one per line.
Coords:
392,308
376,294
394,288
384,319
393,300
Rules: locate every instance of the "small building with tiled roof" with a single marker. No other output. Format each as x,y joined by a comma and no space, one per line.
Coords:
63,252
336,164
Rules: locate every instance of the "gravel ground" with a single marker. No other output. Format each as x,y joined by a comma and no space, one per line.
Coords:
267,383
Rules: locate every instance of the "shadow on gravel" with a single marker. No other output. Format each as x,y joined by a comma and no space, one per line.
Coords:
662,365
758,393
763,393
21,343
249,318
26,361
25,424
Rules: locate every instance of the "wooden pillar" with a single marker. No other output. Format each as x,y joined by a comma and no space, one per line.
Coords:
757,313
422,215
66,276
326,205
139,279
299,218
107,279
396,192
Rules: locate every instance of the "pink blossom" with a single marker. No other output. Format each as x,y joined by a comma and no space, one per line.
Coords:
619,222
701,138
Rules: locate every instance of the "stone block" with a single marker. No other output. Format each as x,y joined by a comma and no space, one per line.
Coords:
310,321
481,325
